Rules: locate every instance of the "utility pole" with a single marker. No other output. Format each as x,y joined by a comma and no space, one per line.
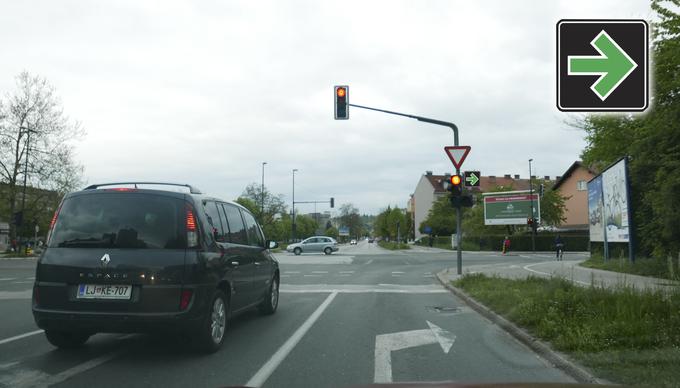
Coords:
293,224
533,219
262,194
23,197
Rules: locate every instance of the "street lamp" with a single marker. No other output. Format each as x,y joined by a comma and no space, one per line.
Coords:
531,197
262,198
28,147
294,171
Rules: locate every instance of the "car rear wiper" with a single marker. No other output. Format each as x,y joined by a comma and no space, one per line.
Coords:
86,242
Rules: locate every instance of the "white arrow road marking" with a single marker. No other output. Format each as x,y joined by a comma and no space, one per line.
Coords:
385,344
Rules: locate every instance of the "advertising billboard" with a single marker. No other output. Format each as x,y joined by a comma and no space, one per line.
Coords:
595,205
610,213
510,208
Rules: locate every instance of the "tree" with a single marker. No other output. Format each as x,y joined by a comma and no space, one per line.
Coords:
332,232
349,217
274,205
305,226
651,141
35,137
441,218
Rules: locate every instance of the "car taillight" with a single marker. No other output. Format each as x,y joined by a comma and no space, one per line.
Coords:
192,235
52,223
185,299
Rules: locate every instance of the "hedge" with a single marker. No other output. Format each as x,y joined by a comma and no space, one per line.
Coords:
518,242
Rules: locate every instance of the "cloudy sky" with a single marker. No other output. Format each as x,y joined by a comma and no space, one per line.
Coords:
205,91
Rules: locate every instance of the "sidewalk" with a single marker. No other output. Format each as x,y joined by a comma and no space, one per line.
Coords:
568,269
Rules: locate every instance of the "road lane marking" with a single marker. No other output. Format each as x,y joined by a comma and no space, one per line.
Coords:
397,272
319,271
346,271
20,336
368,262
277,358
362,289
309,276
22,282
291,271
6,279
527,267
385,344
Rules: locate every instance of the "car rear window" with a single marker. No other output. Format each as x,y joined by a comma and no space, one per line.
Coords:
120,220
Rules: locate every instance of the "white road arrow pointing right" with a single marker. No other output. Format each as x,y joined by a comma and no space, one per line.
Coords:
386,343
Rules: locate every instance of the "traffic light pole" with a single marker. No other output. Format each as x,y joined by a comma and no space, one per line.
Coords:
459,213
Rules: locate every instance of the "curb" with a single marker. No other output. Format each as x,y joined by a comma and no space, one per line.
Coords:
539,347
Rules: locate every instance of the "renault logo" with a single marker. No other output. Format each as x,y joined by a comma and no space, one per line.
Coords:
105,260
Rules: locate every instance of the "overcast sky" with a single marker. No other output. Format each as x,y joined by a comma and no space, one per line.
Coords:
205,91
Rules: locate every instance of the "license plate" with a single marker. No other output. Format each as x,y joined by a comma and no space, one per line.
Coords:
108,291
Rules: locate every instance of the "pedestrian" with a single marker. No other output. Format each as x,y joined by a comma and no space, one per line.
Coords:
431,240
506,245
559,248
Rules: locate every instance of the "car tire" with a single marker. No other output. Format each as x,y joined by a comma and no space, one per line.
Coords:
66,339
271,298
328,251
297,251
212,330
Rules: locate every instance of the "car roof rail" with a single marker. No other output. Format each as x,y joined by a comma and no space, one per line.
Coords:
192,189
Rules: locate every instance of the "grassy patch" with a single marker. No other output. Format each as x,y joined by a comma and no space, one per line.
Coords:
624,335
393,246
655,267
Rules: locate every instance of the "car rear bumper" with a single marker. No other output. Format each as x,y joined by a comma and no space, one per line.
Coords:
114,322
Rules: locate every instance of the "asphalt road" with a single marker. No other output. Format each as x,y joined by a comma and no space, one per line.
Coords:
360,316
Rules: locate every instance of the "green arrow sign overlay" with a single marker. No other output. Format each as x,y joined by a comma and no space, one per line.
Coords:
613,65
473,179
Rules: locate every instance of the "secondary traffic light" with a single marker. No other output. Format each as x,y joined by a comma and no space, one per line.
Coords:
332,202
342,102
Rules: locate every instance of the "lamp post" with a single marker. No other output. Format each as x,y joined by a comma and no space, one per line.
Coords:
262,194
294,171
28,147
531,197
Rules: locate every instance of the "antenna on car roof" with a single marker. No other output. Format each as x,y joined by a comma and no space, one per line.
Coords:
192,189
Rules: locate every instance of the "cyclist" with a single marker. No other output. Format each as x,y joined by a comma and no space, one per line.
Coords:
559,247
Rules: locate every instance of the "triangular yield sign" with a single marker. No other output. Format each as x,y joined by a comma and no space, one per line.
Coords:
457,154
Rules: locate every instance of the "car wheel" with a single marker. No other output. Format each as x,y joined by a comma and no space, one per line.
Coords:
328,251
271,298
66,339
297,251
211,333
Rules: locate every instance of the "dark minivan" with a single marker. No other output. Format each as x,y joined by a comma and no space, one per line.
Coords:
125,259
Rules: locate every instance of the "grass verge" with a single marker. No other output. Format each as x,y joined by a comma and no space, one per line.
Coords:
624,335
655,267
393,246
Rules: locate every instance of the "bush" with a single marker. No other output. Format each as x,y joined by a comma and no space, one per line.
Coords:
522,242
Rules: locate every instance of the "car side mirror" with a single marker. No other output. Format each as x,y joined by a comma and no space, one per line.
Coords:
271,244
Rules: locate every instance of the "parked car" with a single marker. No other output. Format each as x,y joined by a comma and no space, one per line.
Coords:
121,259
323,244
353,242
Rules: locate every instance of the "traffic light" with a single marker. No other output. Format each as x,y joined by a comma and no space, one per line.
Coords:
332,202
341,102
541,190
456,185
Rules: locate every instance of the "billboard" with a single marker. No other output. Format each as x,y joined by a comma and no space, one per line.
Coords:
343,231
510,208
612,207
595,205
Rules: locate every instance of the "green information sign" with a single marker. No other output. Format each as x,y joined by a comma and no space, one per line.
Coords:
510,208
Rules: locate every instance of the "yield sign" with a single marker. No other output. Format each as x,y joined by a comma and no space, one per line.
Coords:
457,154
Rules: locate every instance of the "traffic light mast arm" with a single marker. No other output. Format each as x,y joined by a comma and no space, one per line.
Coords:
419,118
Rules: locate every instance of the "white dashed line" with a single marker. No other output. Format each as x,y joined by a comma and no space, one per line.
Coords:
6,279
307,276
319,271
398,272
346,271
291,271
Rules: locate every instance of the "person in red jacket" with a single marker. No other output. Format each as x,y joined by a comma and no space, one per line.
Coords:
506,245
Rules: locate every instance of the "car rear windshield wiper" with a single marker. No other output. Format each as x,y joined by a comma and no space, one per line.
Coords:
85,242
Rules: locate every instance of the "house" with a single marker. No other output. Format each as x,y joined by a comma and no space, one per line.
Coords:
573,185
429,189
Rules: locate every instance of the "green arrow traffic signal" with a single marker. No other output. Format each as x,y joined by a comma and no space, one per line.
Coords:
473,179
613,65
